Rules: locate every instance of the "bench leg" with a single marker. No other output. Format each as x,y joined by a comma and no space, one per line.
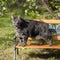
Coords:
17,51
14,53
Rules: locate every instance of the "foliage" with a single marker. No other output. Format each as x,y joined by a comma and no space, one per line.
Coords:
34,8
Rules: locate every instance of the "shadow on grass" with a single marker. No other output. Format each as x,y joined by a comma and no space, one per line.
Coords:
50,54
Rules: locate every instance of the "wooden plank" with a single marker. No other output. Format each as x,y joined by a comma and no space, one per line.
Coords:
40,46
51,21
57,46
54,38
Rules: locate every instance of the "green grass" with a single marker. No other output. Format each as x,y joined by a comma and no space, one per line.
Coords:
7,33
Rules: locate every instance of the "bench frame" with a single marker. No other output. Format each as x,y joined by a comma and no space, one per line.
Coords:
56,37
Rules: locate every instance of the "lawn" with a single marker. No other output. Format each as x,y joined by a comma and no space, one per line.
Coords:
7,33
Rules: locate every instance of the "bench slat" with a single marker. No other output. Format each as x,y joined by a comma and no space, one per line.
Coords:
51,21
54,38
41,46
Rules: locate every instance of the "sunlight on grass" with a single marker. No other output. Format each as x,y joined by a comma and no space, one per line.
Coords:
6,35
7,32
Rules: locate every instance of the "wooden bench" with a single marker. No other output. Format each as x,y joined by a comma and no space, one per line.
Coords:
55,37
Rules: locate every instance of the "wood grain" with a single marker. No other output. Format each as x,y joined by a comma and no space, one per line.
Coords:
41,46
54,38
51,21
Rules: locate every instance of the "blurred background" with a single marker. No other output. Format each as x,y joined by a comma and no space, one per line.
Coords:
30,8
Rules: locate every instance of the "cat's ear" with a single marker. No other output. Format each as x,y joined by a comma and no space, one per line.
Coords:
18,17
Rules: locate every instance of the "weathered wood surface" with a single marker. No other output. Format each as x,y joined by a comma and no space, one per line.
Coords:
54,38
49,21
40,46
